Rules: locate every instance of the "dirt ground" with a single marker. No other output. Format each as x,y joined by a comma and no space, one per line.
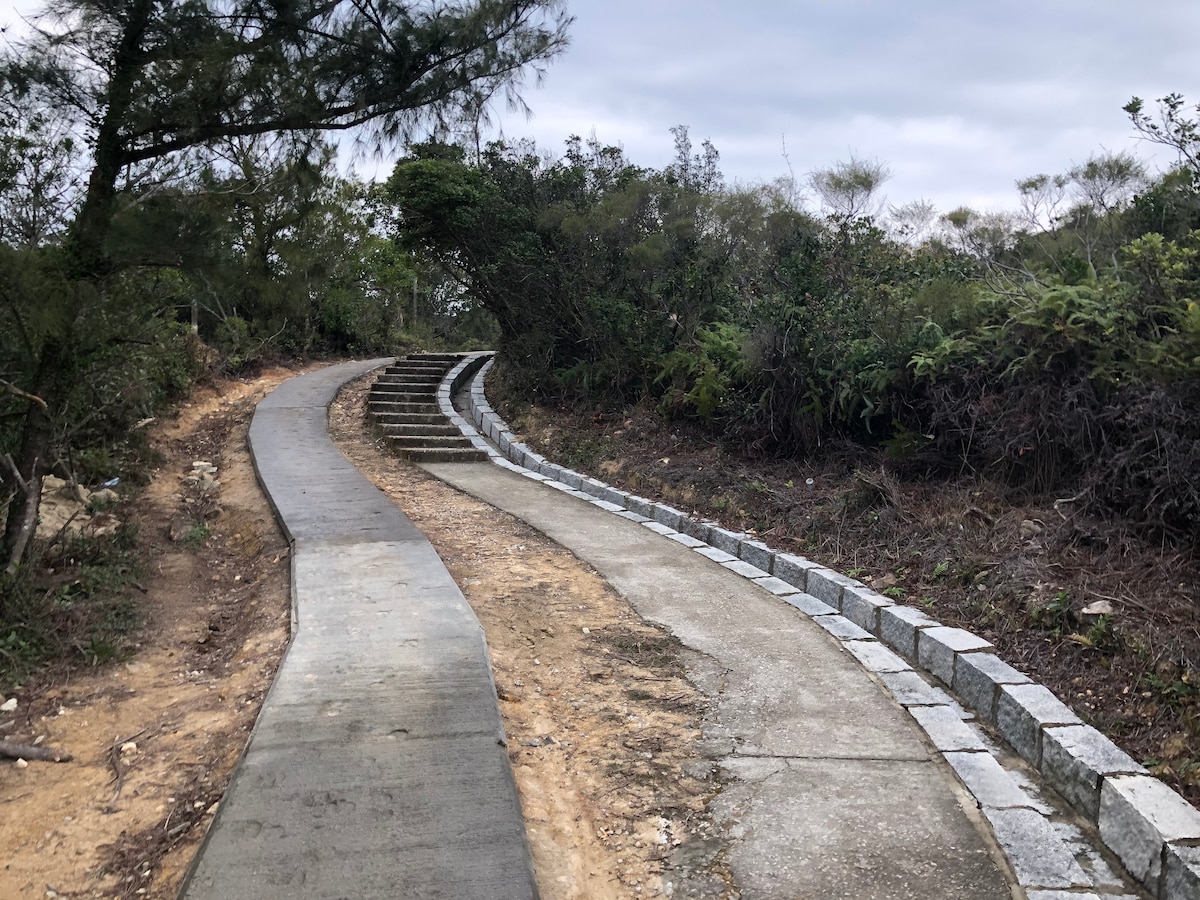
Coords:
600,720
155,736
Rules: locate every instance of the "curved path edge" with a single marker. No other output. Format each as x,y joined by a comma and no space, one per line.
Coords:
1149,827
378,766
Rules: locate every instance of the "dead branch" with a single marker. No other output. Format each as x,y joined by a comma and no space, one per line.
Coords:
33,398
13,750
31,488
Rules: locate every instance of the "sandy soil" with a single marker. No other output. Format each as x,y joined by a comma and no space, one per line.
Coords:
601,721
155,736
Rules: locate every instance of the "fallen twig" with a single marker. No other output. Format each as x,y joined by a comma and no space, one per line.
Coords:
13,750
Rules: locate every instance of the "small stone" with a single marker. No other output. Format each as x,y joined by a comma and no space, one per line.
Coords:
1098,609
1030,529
21,764
9,705
181,527
128,747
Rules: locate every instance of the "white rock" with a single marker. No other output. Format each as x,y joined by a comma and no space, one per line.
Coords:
1099,608
9,705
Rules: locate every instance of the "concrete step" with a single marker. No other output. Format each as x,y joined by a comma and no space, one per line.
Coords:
390,406
421,368
403,387
430,379
415,431
401,397
416,441
398,418
450,359
443,454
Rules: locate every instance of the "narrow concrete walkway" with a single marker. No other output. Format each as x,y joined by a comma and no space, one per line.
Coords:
832,795
377,767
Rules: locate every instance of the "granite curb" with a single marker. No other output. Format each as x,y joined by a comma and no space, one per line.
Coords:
1150,828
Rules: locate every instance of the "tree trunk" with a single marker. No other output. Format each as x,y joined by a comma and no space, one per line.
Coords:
33,459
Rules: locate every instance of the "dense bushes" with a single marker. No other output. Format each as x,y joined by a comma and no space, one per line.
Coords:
1061,359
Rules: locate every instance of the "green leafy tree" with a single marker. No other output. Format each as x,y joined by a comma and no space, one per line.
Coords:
149,81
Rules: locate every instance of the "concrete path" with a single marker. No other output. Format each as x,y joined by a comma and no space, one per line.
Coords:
377,767
832,795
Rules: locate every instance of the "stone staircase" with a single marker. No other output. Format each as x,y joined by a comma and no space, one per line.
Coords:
403,402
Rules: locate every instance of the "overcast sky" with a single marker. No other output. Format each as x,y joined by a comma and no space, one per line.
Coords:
958,97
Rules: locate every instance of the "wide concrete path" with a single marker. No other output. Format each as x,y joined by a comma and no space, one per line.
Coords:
832,794
377,767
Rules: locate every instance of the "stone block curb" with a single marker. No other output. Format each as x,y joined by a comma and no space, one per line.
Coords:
1142,819
938,648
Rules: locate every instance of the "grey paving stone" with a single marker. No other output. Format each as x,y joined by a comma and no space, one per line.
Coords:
1038,857
910,689
977,680
1075,758
776,586
842,628
611,507
1022,711
517,454
659,528
593,486
1138,815
716,555
686,539
640,505
504,440
1101,866
793,569
861,606
937,648
827,585
985,778
534,476
632,516
559,486
667,515
570,478
810,605
745,569
1181,873
534,459
582,495
874,656
723,539
948,732
612,495
757,554
898,626
1069,895
695,528
550,470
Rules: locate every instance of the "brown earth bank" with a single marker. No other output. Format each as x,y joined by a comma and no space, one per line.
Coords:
155,735
1104,616
600,719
